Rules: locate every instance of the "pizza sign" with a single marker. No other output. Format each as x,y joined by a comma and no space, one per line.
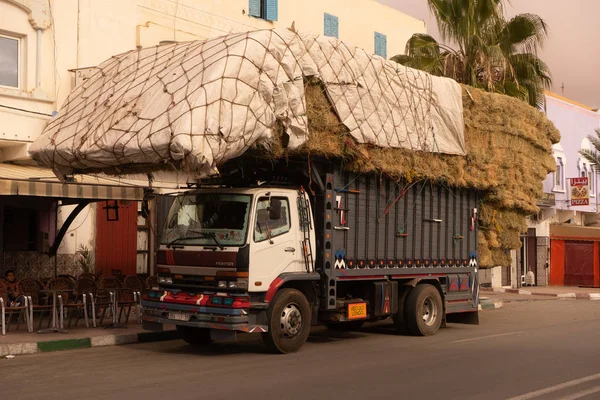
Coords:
580,191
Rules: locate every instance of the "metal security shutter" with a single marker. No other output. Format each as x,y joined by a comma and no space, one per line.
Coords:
579,263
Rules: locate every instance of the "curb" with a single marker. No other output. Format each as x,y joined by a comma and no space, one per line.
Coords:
576,296
85,343
487,304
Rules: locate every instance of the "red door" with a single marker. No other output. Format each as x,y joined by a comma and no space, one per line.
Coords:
116,241
579,263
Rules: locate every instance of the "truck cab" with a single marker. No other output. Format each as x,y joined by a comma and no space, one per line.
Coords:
223,251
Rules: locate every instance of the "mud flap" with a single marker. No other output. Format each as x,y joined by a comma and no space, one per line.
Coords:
468,318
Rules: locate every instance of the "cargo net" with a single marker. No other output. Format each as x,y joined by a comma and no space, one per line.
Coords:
189,107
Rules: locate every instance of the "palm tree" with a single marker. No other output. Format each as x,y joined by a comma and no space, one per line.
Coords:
491,53
593,154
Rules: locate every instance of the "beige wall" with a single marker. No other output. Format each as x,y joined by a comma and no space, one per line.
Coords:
77,34
83,33
358,20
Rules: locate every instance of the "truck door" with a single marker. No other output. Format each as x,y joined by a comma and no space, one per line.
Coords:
275,245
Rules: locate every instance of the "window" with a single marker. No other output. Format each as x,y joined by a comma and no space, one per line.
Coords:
591,177
272,222
9,61
331,26
208,219
265,9
380,45
20,229
558,175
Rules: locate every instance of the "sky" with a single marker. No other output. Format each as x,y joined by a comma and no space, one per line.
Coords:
572,50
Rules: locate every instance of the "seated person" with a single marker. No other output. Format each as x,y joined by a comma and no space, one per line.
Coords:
14,298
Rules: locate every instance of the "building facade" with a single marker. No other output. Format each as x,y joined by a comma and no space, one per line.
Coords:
560,246
48,47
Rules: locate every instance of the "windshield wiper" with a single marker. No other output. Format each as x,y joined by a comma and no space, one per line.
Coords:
201,235
213,236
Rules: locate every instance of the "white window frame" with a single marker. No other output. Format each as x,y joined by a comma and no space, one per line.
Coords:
19,61
560,171
586,169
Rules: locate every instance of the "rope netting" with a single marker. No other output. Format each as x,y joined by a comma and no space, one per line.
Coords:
192,106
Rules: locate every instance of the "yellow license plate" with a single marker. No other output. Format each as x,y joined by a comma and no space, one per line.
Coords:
357,311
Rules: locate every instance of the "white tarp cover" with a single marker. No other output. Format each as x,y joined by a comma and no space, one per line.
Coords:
202,103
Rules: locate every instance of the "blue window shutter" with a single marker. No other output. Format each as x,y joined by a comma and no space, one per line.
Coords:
331,25
271,10
334,27
254,8
380,45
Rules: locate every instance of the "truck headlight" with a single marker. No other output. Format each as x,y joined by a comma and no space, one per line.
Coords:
165,279
233,285
222,284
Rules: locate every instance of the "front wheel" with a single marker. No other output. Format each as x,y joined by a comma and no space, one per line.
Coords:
424,310
289,322
198,337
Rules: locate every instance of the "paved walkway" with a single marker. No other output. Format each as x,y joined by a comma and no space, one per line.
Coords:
561,292
22,342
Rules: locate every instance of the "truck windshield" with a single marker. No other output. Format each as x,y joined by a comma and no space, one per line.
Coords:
207,220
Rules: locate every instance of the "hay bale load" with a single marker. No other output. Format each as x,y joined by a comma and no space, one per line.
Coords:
189,108
509,154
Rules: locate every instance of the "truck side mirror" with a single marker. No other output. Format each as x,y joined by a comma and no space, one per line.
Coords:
262,216
275,210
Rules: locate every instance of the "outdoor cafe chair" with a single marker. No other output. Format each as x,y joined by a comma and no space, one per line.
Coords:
84,299
138,287
7,309
63,288
30,288
123,296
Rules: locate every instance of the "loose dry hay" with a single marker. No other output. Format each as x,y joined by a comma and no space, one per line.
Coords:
509,147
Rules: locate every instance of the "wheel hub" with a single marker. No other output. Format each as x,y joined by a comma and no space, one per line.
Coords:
291,321
429,311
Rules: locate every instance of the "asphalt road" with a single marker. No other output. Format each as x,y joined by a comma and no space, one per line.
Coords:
533,350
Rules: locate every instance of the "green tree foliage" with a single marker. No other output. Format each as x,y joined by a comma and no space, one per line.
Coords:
490,52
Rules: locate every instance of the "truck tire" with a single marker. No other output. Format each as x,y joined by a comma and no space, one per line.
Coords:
195,336
345,326
424,310
400,317
289,322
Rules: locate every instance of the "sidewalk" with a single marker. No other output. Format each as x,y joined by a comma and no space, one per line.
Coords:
560,292
22,342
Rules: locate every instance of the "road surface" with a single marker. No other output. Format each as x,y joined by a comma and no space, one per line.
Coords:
532,350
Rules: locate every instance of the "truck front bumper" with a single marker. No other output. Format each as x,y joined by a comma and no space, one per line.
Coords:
155,314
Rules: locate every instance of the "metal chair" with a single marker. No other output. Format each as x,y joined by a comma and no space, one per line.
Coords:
138,287
6,308
30,288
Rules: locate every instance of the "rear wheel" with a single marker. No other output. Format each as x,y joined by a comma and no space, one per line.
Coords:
424,310
194,336
345,326
289,322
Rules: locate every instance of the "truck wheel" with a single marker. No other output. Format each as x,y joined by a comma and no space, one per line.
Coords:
194,336
289,322
400,317
424,310
345,326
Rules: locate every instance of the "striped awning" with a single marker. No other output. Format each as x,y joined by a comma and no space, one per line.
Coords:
22,180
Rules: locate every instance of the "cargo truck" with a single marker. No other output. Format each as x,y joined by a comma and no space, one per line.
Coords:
277,248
